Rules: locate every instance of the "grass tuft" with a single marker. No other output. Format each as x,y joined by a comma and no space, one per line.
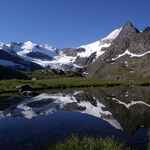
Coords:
88,143
67,82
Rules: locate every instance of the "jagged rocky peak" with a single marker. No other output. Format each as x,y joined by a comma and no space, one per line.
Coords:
127,30
147,29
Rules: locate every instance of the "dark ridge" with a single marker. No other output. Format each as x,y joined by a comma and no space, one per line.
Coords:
7,73
147,29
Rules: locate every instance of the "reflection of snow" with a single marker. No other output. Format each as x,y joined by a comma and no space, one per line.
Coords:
114,123
46,104
130,104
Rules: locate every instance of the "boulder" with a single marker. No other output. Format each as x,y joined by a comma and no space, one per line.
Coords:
28,93
25,90
73,107
22,88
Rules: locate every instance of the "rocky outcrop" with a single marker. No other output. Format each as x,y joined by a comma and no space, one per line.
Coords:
38,55
126,58
25,90
147,29
85,61
73,107
73,51
14,61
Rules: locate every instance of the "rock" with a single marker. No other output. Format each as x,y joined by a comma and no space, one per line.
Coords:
38,55
129,42
127,30
73,107
147,29
85,61
23,88
83,96
28,93
73,51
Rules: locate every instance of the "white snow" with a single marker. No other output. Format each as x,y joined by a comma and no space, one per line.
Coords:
94,47
58,56
6,48
26,111
97,46
127,52
94,110
57,102
27,47
130,104
114,123
113,35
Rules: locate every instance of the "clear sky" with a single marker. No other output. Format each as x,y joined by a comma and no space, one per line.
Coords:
68,23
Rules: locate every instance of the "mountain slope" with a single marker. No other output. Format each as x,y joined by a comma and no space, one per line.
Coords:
127,57
48,56
123,54
14,61
7,73
96,49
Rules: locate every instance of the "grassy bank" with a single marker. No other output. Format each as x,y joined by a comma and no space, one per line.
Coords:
74,143
67,82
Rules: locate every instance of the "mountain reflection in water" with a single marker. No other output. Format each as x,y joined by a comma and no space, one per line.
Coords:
50,117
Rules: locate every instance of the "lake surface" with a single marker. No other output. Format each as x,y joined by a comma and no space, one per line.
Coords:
33,123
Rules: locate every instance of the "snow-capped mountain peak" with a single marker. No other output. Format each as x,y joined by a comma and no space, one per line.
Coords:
46,55
98,45
113,35
28,45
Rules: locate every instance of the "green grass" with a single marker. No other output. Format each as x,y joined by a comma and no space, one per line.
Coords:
88,143
67,82
50,73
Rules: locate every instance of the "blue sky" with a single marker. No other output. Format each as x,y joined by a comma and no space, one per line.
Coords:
68,23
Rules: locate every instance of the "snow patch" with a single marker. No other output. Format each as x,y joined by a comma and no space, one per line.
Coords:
127,52
130,104
98,45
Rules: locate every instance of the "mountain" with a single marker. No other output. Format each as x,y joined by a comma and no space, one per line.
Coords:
117,106
123,54
9,58
128,56
8,73
96,49
31,56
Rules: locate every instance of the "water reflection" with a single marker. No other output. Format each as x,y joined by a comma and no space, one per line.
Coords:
121,112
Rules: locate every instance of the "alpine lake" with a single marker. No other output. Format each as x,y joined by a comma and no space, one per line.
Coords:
53,116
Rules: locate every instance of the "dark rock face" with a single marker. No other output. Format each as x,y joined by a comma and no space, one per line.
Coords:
39,55
28,93
120,102
83,96
124,67
73,51
72,71
85,61
73,107
127,30
22,88
122,42
40,103
147,29
21,64
25,90
8,73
